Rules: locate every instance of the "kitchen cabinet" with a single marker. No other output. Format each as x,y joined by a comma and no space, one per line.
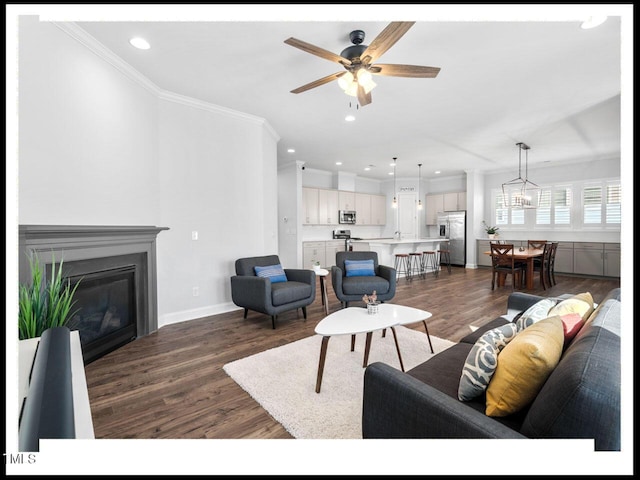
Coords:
327,207
433,204
588,258
310,204
482,258
320,206
346,200
564,258
454,201
443,202
313,251
331,248
378,210
363,209
611,259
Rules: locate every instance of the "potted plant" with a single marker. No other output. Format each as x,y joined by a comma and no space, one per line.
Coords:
315,264
44,303
492,232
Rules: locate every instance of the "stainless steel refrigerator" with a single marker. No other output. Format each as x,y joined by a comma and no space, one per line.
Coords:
453,225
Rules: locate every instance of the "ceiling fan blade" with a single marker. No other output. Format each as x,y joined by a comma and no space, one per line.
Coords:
414,71
363,97
385,40
320,52
318,82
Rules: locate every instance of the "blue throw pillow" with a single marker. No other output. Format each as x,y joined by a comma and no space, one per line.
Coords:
273,272
359,268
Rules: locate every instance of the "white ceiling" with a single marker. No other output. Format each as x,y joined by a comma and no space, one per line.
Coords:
545,82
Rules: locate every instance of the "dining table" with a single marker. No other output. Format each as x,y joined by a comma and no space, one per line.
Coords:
523,254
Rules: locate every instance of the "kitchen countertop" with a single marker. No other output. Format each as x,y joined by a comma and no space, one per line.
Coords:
393,241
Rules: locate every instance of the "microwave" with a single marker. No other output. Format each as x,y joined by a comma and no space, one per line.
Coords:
347,216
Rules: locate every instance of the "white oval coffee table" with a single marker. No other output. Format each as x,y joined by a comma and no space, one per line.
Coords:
353,320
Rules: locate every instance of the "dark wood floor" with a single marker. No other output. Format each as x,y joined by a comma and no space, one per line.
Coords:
171,384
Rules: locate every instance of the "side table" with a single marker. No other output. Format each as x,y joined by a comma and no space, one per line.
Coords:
323,273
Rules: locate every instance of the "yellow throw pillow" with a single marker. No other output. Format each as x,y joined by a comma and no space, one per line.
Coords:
524,365
581,303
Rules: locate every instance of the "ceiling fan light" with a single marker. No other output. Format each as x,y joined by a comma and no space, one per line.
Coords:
345,80
352,89
368,86
366,80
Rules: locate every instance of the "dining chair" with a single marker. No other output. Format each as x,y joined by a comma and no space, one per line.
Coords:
543,266
503,263
551,272
537,244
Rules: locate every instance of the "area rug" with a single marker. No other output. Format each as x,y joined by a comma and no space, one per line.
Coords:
283,380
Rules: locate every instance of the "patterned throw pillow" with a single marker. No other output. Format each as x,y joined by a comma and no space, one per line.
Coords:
273,272
482,360
524,366
359,268
535,313
581,303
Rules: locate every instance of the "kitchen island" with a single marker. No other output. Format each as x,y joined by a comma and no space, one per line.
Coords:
386,248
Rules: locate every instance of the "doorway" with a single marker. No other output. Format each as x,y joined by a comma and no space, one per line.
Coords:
407,215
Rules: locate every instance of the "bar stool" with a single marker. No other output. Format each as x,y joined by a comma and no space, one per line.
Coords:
415,264
445,258
429,261
402,265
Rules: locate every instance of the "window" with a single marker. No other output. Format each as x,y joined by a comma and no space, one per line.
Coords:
590,204
554,206
601,204
613,213
505,214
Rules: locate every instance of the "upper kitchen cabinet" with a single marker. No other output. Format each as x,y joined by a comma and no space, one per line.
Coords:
327,207
320,206
346,200
310,205
371,209
455,201
378,210
363,209
433,204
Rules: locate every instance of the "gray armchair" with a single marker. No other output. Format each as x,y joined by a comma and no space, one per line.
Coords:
349,289
261,295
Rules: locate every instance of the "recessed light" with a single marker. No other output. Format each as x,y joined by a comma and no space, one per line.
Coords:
292,150
338,163
593,22
390,173
366,169
349,118
140,43
437,172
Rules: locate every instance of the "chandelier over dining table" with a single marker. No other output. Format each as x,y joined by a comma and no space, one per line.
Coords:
525,192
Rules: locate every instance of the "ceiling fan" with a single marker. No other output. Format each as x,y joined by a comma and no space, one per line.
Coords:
357,59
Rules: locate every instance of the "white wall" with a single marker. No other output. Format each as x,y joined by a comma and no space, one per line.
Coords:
87,136
289,215
97,148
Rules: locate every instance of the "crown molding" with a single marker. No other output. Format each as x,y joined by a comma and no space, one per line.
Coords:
91,43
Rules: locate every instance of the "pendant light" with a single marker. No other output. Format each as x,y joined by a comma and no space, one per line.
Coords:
419,177
527,191
394,203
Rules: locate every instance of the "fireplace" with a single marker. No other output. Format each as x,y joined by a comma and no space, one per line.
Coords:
116,298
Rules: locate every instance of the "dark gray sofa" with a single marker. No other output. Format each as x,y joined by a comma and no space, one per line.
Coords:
580,399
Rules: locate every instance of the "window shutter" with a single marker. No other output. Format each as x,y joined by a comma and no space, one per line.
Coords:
612,208
562,206
592,201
